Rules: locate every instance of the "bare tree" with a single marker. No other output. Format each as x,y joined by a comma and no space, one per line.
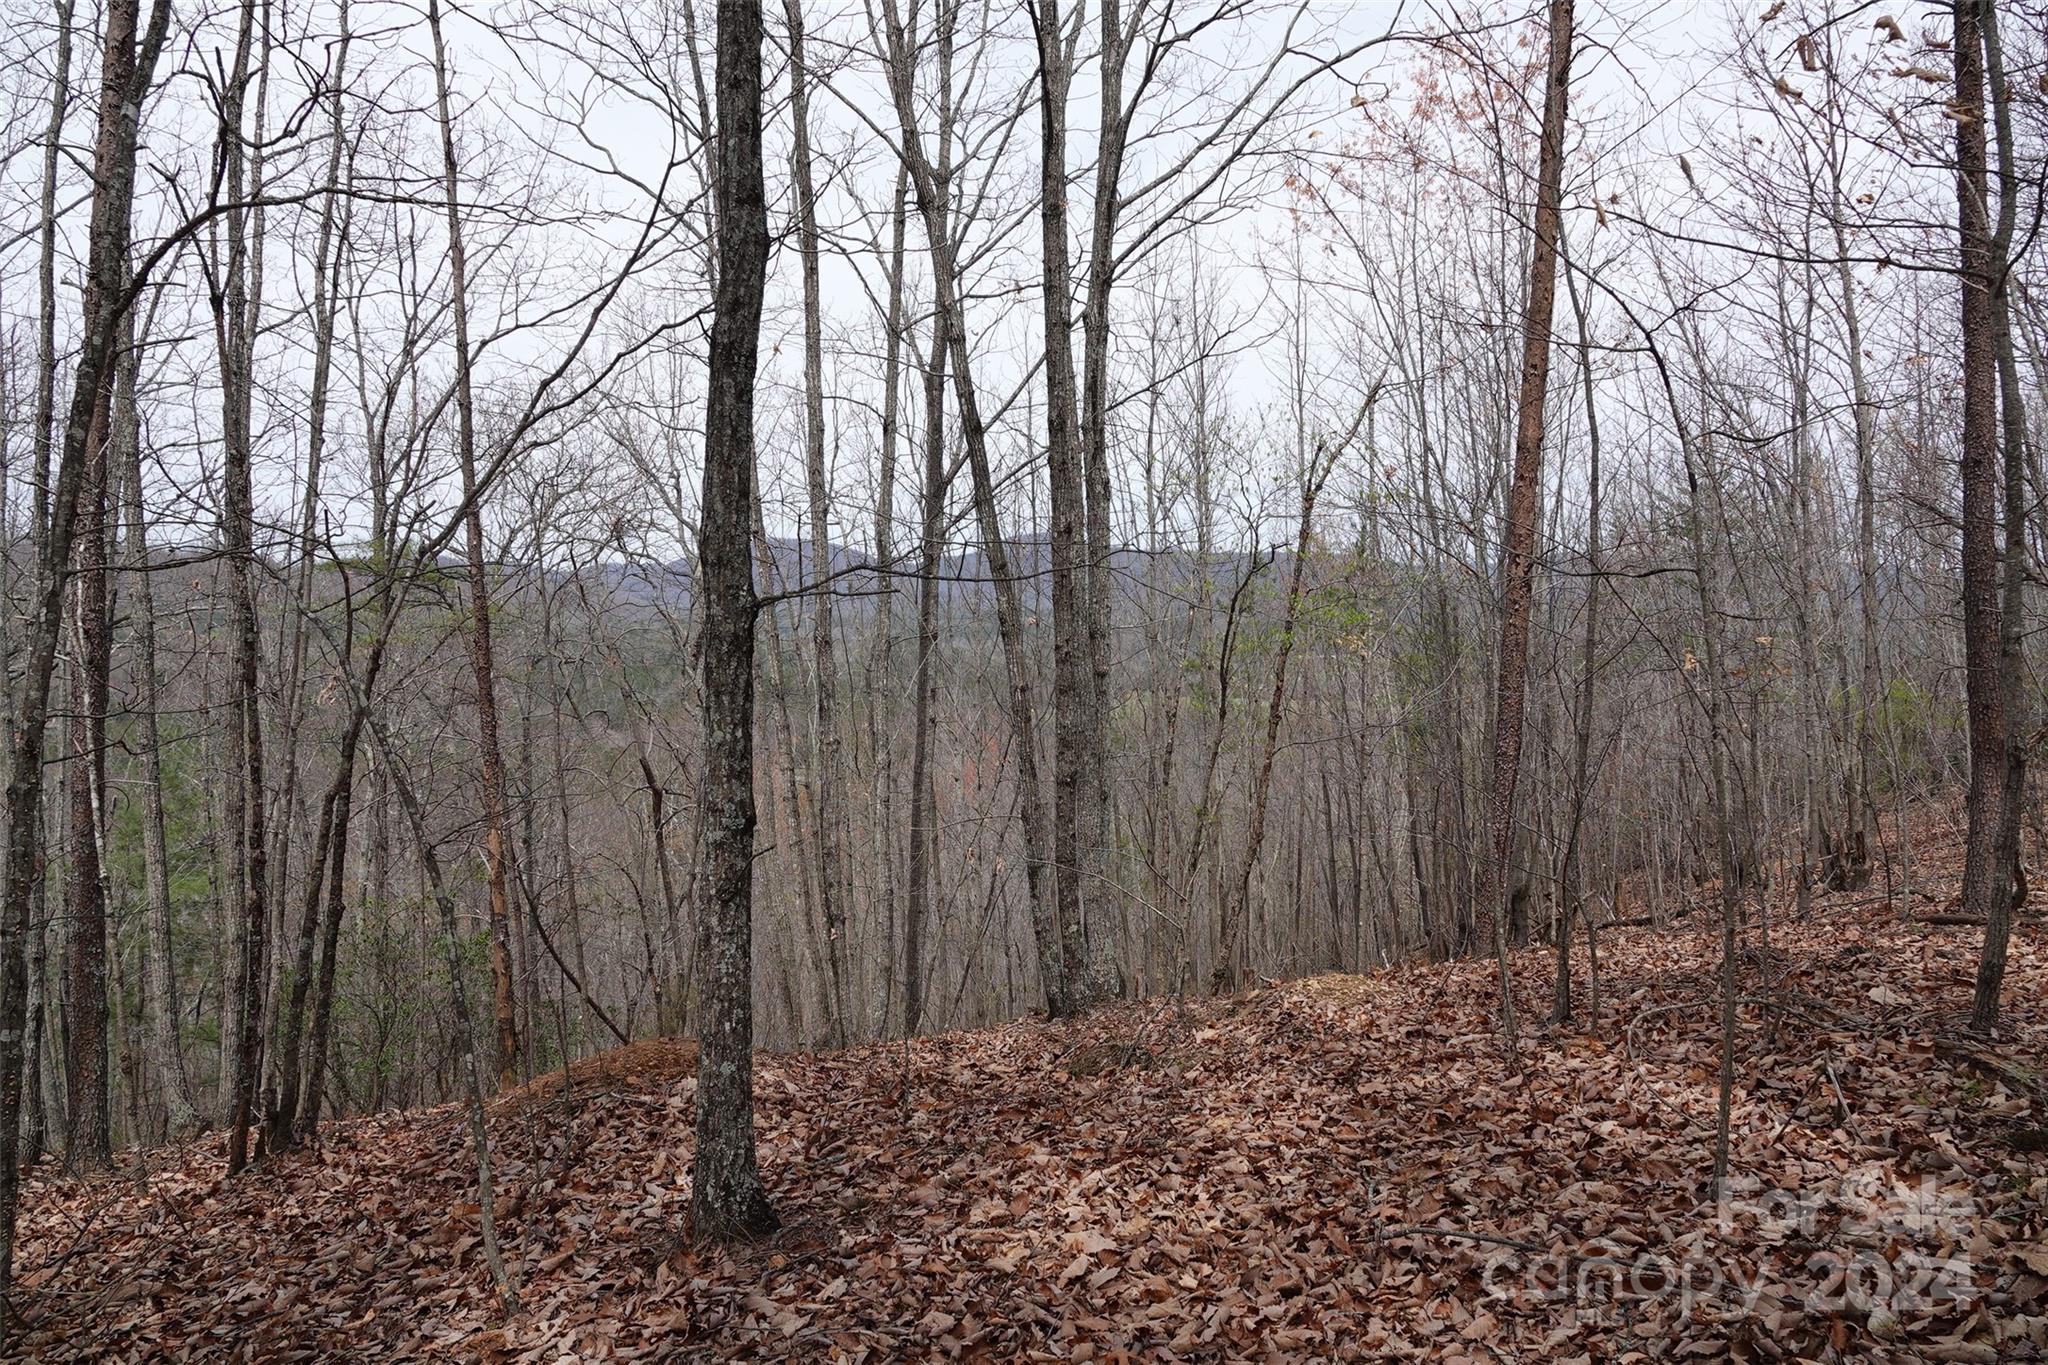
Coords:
2011,878
497,845
127,66
726,1197
1986,882
1518,563
828,788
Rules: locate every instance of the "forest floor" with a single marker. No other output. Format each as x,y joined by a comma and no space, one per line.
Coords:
1340,1168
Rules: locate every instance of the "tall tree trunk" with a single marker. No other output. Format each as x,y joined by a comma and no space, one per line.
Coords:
1571,876
458,995
234,306
88,1129
1073,667
281,1119
727,1201
497,844
1518,553
288,1120
1101,904
1859,834
1986,891
43,441
931,183
305,1121
885,631
828,806
127,65
2012,609
923,815
167,1059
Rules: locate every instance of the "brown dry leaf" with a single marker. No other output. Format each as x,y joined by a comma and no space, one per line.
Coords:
1310,1172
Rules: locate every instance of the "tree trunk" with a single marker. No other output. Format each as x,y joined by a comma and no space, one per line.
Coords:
828,807
167,1059
497,844
923,816
88,1133
930,180
1073,677
127,67
885,630
235,336
2010,876
1229,971
727,1201
1518,552
1571,888
1101,904
1986,889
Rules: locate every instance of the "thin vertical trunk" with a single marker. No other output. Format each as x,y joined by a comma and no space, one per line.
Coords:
657,830
1571,879
497,846
1703,480
931,183
458,994
167,1059
281,1117
313,1086
43,439
778,734
828,750
46,282
923,821
1518,553
1101,904
1229,971
234,308
305,1122
885,630
287,1121
1859,833
1718,741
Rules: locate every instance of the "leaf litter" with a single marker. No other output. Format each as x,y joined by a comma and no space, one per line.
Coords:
1340,1168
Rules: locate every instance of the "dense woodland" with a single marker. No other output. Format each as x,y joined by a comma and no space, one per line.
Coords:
531,527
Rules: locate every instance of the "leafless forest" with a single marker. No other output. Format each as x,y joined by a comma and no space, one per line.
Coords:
533,526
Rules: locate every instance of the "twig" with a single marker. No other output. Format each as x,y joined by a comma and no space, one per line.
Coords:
1848,1118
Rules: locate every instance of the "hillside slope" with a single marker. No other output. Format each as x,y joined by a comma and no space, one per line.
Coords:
1340,1168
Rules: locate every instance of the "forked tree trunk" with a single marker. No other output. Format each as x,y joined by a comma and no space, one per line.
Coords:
281,1110
1230,971
127,65
929,181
